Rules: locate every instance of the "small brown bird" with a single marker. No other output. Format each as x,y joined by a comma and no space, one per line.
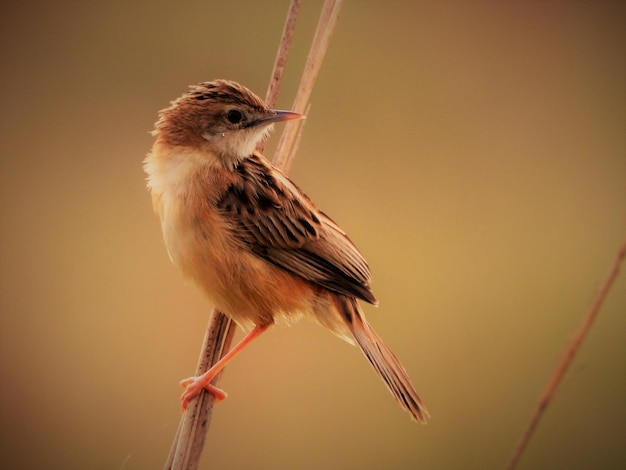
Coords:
257,246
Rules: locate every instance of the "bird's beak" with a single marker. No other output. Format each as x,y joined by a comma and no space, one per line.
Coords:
279,116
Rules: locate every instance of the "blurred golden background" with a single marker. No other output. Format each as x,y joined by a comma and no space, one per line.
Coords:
474,151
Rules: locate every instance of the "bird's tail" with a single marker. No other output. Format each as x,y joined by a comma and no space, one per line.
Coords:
385,363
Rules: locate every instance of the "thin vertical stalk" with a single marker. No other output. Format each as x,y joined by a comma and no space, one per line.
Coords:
323,34
567,358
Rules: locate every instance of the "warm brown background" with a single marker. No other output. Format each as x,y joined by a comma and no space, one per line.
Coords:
476,153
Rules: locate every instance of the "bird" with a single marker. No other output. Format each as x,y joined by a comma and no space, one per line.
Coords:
261,250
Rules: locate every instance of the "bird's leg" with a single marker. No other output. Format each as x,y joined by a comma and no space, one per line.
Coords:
194,385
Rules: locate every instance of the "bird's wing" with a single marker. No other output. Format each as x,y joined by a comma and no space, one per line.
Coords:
279,223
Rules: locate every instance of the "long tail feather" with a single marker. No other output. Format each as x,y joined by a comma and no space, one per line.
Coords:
385,363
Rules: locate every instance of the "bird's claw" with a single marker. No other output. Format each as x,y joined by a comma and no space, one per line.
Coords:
194,386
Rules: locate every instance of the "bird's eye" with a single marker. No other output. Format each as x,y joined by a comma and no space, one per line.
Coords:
234,116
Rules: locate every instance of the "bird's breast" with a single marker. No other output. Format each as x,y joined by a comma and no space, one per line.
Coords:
201,241
250,290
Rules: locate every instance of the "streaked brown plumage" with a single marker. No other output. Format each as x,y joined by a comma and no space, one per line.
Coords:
258,247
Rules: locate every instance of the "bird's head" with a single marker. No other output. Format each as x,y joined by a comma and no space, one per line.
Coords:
222,117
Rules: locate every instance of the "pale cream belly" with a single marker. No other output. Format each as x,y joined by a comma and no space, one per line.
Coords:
241,284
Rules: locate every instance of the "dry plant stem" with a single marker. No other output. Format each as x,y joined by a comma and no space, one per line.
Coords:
281,59
194,424
282,54
323,34
567,358
189,441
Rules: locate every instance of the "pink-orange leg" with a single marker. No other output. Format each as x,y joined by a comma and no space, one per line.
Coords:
195,385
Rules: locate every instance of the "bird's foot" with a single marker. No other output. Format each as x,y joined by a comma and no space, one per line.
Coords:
194,386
